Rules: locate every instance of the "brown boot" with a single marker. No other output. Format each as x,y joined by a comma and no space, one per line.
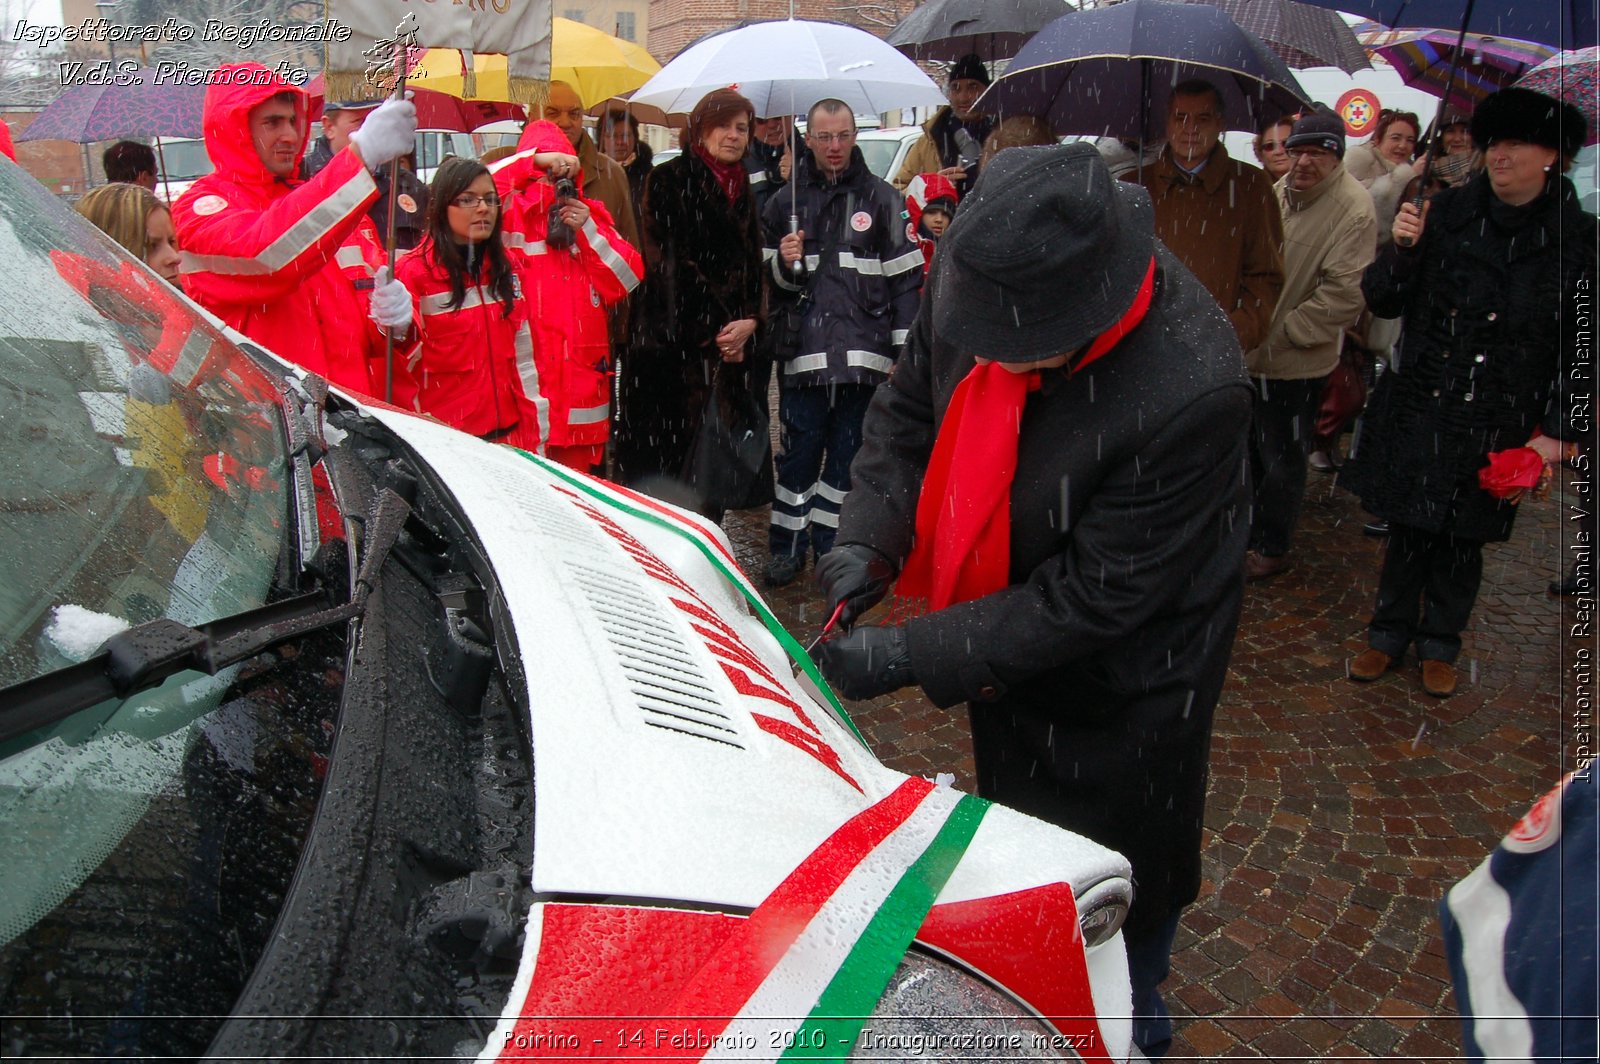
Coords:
1368,665
1439,678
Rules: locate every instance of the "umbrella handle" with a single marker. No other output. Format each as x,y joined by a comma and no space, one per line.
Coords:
1438,121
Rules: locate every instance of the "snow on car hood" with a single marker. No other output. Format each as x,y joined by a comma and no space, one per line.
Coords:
675,755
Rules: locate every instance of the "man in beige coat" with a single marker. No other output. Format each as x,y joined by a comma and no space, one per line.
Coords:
1329,238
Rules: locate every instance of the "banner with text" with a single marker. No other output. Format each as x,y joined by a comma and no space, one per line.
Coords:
361,65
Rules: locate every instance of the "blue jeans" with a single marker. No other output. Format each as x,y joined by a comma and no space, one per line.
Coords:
1149,964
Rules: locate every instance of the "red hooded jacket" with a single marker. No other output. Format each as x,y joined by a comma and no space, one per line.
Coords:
924,191
567,291
474,368
259,250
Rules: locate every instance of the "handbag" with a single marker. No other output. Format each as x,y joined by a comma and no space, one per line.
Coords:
1345,394
729,462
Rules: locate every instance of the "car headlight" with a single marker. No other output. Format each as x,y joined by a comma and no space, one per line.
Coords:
1102,909
933,1010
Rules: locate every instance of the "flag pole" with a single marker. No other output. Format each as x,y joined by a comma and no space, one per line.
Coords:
400,58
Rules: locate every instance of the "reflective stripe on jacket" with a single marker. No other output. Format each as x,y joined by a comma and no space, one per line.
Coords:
567,291
259,250
473,366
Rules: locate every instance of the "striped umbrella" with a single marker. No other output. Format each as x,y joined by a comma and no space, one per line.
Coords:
1423,57
1302,35
1569,76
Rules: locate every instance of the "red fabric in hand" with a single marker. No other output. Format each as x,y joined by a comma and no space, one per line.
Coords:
1511,471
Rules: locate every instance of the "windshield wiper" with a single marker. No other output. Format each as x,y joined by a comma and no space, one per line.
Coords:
146,655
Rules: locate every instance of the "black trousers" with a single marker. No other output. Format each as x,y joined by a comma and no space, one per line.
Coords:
1426,593
1284,417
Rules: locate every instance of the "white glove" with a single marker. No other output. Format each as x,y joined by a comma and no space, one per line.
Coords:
389,132
391,303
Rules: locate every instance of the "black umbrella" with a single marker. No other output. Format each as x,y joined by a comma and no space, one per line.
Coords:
1302,35
993,29
1110,71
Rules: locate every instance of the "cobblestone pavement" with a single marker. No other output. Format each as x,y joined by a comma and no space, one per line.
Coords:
1339,813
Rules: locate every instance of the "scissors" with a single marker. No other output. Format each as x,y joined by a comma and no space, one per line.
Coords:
832,620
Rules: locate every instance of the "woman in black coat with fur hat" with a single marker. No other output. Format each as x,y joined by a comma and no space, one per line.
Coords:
1494,280
697,311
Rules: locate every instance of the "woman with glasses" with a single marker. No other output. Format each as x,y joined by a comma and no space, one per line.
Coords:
696,315
1271,152
471,352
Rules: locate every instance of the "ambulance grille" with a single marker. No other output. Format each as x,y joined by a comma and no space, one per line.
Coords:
671,690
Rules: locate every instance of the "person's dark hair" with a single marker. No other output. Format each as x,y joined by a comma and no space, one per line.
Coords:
127,159
1267,125
1388,117
449,181
831,106
716,108
1196,87
618,114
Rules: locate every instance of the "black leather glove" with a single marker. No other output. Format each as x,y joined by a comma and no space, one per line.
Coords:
857,575
870,661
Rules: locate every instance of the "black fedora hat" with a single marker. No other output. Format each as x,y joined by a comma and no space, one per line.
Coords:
1047,252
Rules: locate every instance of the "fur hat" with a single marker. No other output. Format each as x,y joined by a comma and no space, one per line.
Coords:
1522,114
1039,218
1319,128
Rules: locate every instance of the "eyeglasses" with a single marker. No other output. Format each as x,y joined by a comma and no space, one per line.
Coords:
1271,145
467,201
826,139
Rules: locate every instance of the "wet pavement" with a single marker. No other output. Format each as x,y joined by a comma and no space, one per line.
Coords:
1339,813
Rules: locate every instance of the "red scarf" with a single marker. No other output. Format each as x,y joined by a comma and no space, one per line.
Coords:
962,548
730,176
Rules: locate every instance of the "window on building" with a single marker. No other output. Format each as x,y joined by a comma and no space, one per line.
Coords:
573,13
625,26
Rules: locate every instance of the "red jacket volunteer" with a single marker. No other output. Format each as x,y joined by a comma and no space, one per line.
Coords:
474,367
567,292
259,250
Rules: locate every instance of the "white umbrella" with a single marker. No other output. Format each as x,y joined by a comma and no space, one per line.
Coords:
786,66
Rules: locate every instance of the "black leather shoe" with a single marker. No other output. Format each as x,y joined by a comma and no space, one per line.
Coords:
784,569
1569,586
1376,528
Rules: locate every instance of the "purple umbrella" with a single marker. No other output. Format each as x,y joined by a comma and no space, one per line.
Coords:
1484,65
134,105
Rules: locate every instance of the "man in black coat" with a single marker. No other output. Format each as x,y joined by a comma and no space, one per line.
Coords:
842,299
1092,659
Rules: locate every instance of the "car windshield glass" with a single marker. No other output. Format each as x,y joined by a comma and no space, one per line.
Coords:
185,159
142,475
879,153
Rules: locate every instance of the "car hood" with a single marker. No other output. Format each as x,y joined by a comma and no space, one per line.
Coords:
676,756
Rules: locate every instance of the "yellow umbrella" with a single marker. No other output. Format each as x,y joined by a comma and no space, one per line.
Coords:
597,65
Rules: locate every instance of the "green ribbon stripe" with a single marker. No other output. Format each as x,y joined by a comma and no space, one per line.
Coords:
851,995
790,644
